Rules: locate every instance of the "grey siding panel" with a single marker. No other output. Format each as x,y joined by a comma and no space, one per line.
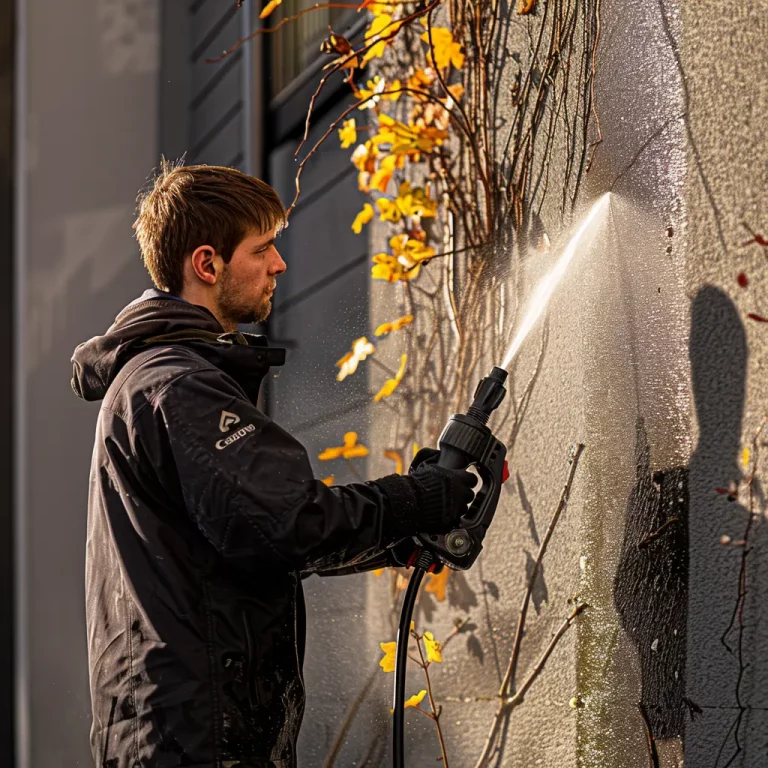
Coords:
208,124
222,141
220,102
208,23
320,240
223,70
202,70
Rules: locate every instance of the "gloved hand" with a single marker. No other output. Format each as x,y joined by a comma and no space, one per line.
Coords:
443,494
430,499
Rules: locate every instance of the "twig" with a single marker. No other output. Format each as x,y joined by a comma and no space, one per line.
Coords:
738,612
564,494
355,471
270,30
435,710
519,695
653,754
655,535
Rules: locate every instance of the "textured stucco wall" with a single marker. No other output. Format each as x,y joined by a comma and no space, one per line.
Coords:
725,68
89,94
652,363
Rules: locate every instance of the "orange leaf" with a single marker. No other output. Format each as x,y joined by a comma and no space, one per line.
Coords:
350,450
525,6
395,325
395,456
362,218
390,385
268,8
438,583
327,480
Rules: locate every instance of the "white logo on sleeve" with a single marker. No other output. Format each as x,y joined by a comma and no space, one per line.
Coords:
235,436
227,420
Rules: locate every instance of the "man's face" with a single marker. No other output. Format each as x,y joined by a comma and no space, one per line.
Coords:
247,282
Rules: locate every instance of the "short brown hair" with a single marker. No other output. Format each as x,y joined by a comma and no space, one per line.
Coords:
189,206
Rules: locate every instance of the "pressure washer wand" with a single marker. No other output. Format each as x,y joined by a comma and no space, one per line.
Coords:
465,442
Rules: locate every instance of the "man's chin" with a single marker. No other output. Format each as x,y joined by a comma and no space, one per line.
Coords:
257,316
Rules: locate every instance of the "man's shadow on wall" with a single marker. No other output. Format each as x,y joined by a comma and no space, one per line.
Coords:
677,585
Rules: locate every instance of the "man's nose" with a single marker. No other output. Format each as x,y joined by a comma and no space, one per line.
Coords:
278,266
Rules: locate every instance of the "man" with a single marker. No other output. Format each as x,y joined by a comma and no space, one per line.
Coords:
203,512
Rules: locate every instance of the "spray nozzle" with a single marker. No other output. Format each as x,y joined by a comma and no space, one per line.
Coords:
488,395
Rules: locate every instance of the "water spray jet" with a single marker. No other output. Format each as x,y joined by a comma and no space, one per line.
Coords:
546,287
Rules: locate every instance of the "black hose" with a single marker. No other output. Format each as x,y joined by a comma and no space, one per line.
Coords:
423,562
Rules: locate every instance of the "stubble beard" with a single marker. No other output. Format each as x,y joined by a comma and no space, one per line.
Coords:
235,308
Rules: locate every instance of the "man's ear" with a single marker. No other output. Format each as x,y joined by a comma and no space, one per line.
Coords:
206,264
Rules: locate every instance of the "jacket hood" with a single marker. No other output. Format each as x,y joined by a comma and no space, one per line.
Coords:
97,362
154,314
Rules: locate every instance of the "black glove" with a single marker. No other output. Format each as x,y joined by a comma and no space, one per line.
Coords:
430,499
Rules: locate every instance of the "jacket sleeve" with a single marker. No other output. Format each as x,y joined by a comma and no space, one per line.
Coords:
249,485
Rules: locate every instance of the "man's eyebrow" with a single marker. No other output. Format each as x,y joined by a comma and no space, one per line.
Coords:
263,245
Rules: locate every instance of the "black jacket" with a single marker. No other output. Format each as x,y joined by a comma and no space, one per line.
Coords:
202,514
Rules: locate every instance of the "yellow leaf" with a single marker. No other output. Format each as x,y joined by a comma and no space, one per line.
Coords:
388,210
350,450
415,202
380,179
390,385
386,267
362,218
327,480
388,662
404,261
377,572
376,8
415,449
381,26
331,453
356,452
268,8
395,456
408,140
347,365
401,582
416,699
445,50
434,648
525,6
395,325
364,157
420,80
348,133
409,251
438,583
745,454
372,93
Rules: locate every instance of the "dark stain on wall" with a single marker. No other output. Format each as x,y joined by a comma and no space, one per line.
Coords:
651,587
